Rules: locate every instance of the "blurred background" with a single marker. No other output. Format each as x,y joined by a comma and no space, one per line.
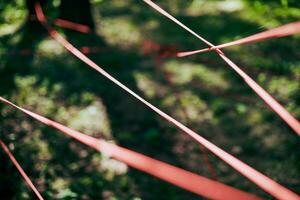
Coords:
134,43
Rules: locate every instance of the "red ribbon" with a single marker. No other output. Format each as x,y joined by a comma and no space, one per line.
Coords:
258,178
20,169
189,181
269,100
72,25
282,31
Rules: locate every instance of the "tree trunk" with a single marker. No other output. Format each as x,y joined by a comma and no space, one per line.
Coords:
78,11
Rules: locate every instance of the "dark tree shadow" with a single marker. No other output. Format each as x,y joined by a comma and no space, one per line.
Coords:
136,127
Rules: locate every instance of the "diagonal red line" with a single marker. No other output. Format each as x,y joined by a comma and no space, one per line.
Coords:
192,182
269,100
20,169
258,178
282,31
72,25
261,180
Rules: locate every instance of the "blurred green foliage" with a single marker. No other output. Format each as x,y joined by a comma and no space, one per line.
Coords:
200,91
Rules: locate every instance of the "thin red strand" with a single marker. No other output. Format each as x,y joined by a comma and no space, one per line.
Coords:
72,25
20,169
269,100
282,31
189,181
258,178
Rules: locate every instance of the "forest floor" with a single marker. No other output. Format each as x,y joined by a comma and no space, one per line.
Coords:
201,91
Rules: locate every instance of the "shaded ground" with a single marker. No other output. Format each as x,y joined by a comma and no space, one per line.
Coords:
200,91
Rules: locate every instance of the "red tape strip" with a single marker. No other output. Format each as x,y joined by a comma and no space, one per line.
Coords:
269,100
258,178
282,31
20,169
189,181
72,25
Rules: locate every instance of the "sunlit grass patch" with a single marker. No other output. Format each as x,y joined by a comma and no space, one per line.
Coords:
11,16
184,73
283,87
92,120
50,47
269,15
201,7
120,31
29,93
195,108
148,85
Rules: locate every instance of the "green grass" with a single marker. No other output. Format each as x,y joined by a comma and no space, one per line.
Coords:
201,91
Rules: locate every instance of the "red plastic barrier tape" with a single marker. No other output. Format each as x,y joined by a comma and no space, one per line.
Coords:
269,100
261,180
68,25
20,169
189,181
282,31
72,25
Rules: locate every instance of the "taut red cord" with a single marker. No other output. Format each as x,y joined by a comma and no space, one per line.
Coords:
269,100
189,181
20,169
258,178
282,31
72,25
